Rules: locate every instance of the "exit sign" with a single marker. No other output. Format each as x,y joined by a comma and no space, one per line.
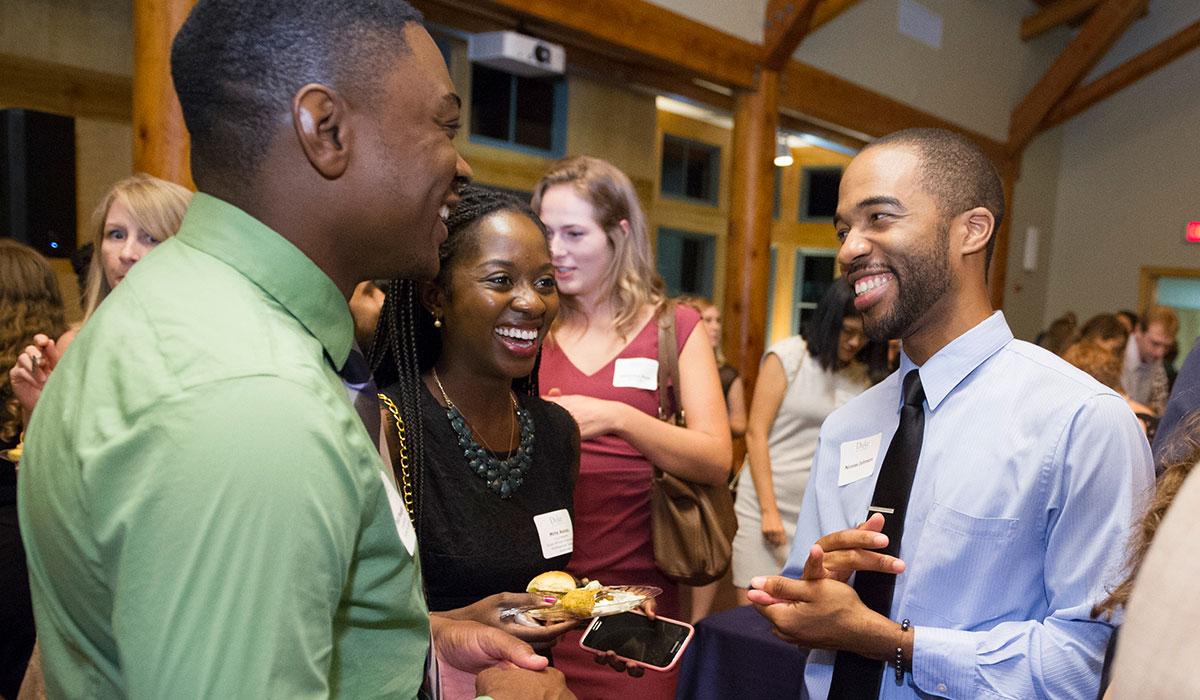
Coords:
1193,232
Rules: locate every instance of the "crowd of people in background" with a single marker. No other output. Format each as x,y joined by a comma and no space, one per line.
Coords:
322,374
1132,355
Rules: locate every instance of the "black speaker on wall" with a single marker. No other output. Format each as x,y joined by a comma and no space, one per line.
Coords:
37,180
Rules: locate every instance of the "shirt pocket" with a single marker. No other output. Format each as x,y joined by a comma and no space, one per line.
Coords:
962,571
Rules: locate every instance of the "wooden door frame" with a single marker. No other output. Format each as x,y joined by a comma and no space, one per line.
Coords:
1148,282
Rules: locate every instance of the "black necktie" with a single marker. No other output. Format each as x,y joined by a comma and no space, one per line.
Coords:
856,677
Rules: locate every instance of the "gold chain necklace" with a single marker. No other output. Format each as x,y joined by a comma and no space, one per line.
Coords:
406,491
512,421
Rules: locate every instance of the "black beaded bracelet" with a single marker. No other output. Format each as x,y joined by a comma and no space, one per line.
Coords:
904,627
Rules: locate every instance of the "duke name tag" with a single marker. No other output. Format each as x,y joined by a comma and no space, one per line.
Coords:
858,459
556,532
404,526
636,372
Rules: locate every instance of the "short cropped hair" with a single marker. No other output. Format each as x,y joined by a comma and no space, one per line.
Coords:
955,172
1163,315
236,65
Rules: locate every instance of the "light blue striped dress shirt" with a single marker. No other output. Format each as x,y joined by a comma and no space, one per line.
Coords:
1030,475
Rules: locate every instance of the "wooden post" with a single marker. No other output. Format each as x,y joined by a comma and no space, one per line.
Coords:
998,272
756,116
160,139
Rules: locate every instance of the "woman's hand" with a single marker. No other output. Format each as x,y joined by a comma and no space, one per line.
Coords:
595,416
487,612
772,527
34,365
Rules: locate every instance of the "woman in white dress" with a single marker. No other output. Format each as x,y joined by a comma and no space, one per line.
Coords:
800,382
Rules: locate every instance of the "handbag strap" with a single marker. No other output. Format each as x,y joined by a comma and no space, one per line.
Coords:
670,405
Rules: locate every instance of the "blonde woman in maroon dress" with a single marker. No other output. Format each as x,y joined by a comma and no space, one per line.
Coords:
600,364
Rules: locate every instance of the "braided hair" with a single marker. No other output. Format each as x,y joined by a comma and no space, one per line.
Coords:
407,344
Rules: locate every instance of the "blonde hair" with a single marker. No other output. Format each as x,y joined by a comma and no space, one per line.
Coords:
631,281
157,207
30,303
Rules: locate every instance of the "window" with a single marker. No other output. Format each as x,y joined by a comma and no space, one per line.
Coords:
690,169
518,112
815,272
686,261
819,193
778,191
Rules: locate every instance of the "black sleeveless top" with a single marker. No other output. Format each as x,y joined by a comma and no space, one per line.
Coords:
472,543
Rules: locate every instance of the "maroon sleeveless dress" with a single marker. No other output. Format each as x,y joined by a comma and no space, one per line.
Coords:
612,513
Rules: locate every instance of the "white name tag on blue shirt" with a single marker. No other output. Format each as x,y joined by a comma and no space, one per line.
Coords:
556,532
404,526
636,372
858,459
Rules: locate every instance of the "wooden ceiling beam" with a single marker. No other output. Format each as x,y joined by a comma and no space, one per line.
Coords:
827,11
649,31
823,96
67,90
1059,13
1107,22
785,25
1124,75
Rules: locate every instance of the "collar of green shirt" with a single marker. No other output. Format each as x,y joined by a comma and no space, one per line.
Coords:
279,268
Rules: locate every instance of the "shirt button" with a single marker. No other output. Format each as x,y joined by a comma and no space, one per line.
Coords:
941,687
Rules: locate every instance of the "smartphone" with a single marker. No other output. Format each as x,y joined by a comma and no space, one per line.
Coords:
655,644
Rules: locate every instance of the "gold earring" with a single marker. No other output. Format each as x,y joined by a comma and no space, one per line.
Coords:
437,322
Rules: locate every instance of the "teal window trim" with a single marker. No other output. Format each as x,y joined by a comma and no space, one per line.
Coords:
714,173
670,240
798,303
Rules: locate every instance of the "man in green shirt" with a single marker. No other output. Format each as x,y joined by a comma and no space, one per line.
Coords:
204,513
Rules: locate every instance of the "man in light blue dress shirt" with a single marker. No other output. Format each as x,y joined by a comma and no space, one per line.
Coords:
1030,472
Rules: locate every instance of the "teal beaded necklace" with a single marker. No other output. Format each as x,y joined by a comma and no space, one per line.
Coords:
503,476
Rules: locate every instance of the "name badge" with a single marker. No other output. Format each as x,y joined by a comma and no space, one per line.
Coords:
636,372
404,526
556,532
858,459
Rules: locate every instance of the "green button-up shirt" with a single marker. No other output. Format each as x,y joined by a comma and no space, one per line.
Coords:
204,513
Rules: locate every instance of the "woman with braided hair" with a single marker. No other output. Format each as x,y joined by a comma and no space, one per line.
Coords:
486,467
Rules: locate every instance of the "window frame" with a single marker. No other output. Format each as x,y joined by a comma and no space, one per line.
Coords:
805,176
558,126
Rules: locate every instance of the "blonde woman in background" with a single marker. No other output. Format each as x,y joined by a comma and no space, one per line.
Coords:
600,363
135,215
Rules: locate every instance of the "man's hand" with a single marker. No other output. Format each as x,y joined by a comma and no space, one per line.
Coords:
472,647
847,551
519,684
822,613
487,612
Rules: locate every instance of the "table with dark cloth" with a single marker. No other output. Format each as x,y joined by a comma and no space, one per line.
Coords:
734,655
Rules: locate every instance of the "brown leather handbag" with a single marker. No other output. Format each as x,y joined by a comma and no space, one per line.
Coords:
692,525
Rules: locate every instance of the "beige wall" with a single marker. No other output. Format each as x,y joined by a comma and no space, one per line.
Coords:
1036,205
93,34
1129,184
743,18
